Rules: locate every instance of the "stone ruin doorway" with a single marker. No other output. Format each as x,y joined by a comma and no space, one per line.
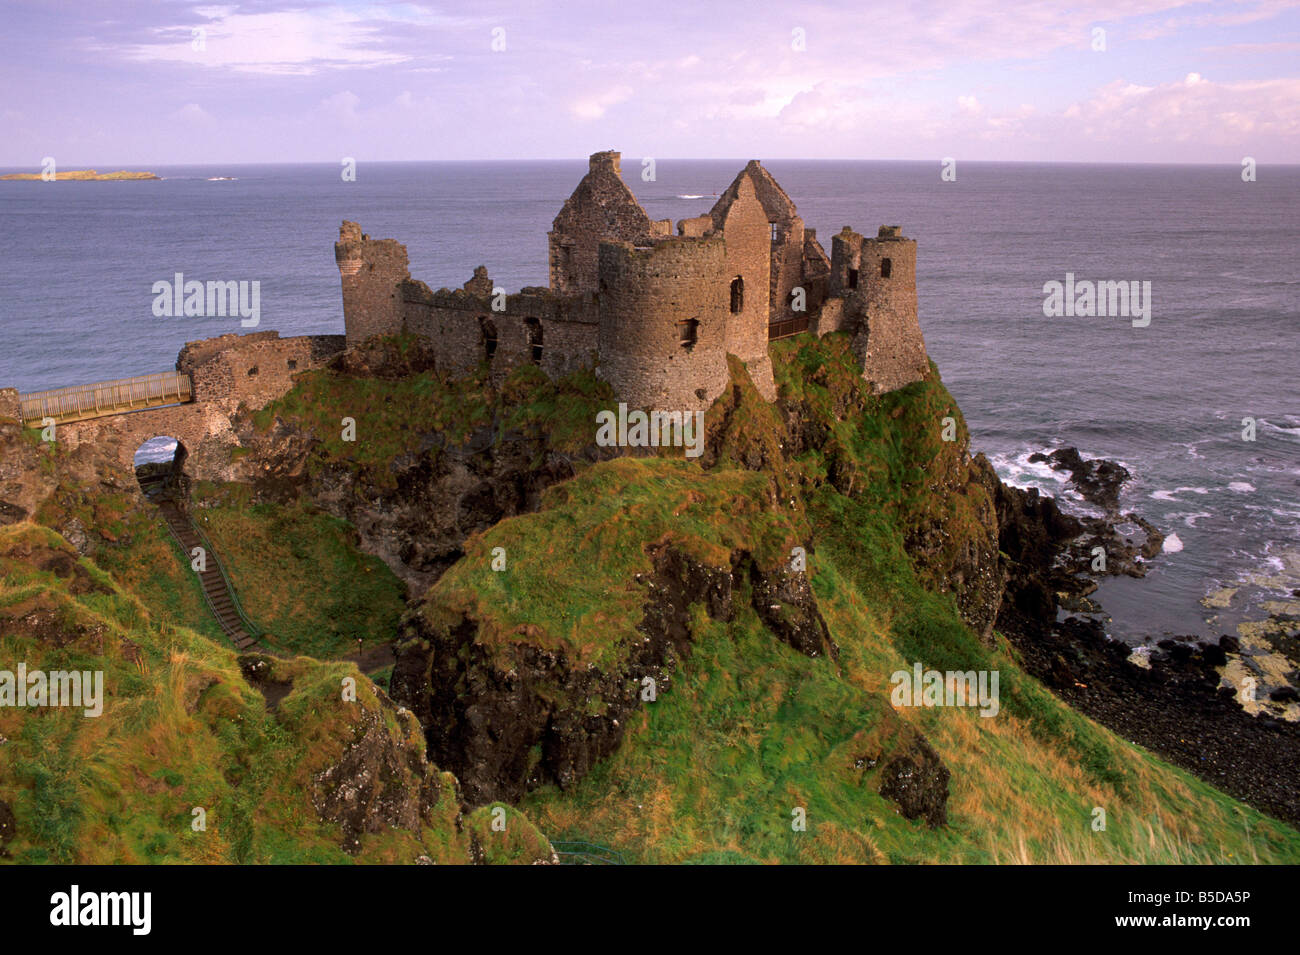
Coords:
160,468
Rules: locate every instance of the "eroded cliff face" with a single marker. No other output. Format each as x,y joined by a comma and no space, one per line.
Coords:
512,715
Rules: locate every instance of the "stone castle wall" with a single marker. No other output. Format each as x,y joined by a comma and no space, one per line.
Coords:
877,278
558,333
371,271
747,235
253,369
589,316
659,297
602,208
220,370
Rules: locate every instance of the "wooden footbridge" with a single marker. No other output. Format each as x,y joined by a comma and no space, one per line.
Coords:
79,402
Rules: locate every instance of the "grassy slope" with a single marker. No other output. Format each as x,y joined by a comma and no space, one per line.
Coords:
180,729
750,729
753,729
300,573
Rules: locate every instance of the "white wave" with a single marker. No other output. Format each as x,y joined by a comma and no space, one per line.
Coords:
692,197
1169,495
1241,487
1172,544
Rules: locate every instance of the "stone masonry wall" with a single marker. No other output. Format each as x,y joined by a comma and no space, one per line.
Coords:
748,241
252,369
219,368
890,343
459,324
602,208
371,271
648,291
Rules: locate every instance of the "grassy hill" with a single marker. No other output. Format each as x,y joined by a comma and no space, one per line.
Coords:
772,687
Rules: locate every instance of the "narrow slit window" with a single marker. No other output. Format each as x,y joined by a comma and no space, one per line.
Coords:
534,330
886,268
737,295
853,278
488,337
688,333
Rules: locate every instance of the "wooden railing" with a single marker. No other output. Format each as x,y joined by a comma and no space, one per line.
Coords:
787,327
106,397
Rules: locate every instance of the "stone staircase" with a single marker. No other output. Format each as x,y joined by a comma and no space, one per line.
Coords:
216,588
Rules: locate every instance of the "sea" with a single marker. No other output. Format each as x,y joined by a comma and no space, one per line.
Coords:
1174,401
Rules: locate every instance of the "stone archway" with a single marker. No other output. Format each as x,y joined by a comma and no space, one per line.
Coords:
160,467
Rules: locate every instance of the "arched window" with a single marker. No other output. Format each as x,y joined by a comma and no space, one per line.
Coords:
737,295
487,337
886,268
688,333
533,328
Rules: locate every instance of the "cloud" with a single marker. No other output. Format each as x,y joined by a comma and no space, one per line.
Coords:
1190,110
594,107
192,113
288,42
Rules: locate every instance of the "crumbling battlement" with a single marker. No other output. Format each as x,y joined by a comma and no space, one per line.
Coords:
656,314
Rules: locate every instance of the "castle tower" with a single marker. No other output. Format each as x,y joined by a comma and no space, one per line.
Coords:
877,277
371,271
601,209
663,322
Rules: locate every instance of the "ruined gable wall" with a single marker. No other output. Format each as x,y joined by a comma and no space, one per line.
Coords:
601,208
646,293
371,271
816,272
748,242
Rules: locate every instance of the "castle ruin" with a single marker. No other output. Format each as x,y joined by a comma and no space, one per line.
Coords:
656,314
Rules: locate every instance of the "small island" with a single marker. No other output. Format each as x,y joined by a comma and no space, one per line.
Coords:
84,175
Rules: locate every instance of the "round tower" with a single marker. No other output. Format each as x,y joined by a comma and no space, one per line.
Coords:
663,322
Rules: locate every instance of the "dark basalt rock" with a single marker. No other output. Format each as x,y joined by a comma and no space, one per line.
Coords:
917,780
785,603
1098,480
376,784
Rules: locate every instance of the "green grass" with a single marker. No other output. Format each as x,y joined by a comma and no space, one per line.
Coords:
300,573
180,729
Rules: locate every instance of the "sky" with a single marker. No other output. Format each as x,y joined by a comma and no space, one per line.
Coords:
135,82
